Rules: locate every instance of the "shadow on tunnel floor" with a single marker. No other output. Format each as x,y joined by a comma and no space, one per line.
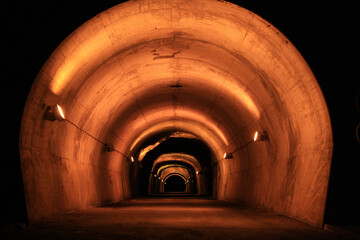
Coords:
172,218
169,200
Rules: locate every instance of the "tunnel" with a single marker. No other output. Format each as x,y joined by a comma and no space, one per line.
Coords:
202,98
175,183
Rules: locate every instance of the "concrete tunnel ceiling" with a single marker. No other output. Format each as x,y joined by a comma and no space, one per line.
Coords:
208,68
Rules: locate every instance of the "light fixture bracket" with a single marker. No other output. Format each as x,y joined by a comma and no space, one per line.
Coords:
109,147
228,155
53,113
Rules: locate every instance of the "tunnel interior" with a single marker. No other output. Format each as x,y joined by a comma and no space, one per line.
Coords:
156,95
175,183
172,153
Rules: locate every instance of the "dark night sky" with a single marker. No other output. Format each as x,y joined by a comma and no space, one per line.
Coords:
326,34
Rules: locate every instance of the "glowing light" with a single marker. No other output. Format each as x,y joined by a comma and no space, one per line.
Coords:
177,157
240,93
54,113
203,119
197,172
187,120
78,56
256,136
132,159
228,155
144,151
60,111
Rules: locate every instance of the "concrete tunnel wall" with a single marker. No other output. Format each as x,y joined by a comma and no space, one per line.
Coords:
209,68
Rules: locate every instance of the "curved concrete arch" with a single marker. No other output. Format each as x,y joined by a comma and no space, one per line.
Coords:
209,68
172,166
188,187
181,157
176,173
168,172
175,169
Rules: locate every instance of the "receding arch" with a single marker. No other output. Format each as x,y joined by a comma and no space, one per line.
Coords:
221,72
172,183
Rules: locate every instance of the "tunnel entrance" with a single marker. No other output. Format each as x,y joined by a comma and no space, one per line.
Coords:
176,184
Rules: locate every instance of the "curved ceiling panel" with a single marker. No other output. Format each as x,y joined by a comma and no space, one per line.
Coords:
181,157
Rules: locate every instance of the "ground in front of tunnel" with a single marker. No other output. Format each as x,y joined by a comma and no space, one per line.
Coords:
171,218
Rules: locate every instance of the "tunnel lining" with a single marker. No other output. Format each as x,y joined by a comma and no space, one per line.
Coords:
296,116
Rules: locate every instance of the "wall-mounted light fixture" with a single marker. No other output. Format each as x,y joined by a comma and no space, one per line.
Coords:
54,112
109,147
258,137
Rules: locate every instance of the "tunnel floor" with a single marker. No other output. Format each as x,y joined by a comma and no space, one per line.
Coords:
171,218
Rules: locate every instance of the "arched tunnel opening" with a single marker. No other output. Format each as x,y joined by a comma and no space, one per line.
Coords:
172,105
174,152
175,183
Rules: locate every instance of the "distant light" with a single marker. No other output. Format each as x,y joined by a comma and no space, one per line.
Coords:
256,136
197,172
225,154
154,175
159,178
132,159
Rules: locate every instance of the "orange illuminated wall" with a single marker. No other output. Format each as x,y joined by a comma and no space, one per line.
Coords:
207,68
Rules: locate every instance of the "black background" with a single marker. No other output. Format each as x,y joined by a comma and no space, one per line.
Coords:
325,33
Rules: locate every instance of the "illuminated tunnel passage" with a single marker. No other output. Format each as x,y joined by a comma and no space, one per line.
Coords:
175,183
161,87
172,153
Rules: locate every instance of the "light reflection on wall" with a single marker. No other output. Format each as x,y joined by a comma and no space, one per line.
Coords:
182,119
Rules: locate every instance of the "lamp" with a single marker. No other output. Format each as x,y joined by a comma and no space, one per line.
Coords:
54,112
258,137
